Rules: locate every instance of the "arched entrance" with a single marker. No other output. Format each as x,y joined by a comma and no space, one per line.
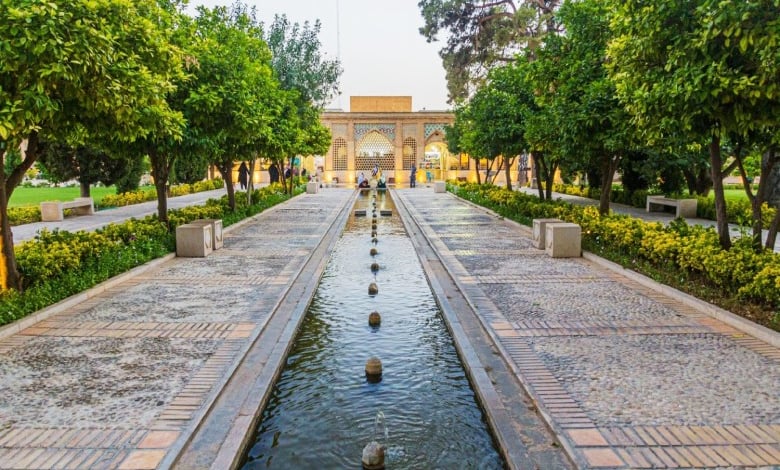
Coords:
375,150
435,161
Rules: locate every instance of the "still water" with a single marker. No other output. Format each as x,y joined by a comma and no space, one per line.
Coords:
323,411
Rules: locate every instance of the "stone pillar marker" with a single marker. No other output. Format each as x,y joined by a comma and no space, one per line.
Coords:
540,227
563,240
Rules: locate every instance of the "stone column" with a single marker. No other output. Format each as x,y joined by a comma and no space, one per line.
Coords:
398,173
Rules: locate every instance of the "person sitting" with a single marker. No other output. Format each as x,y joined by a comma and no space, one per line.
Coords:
362,181
381,184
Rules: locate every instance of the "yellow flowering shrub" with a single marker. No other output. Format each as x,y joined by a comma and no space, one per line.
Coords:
24,215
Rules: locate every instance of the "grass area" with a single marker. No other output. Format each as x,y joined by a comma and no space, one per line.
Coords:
33,196
733,194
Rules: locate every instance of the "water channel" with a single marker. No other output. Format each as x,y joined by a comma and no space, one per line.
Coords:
323,411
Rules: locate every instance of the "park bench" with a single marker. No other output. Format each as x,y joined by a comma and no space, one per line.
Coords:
55,210
682,207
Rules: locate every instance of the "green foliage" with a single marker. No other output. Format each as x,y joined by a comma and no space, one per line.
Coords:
679,248
59,264
24,215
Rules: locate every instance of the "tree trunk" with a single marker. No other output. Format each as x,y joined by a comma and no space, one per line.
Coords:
476,164
9,273
226,168
508,176
250,188
716,164
549,180
160,171
84,189
771,237
539,171
608,167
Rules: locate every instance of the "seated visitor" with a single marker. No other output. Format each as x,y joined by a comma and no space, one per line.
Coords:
382,184
362,181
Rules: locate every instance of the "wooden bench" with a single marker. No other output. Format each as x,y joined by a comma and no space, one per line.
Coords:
52,211
682,207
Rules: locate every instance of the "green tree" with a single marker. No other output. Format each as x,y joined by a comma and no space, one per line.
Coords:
301,67
706,67
233,92
89,165
103,65
483,34
498,112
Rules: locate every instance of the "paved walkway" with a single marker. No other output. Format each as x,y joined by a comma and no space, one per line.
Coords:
626,375
121,379
148,370
107,216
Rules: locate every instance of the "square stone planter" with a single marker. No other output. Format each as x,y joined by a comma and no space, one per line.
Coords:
563,240
194,240
540,228
312,187
439,187
216,231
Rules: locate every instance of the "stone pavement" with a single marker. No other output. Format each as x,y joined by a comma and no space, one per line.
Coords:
122,378
627,374
104,217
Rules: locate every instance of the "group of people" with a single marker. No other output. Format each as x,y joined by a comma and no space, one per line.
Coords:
273,174
363,182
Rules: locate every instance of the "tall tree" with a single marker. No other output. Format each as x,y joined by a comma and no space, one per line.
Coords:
483,34
88,165
230,103
706,67
103,64
301,67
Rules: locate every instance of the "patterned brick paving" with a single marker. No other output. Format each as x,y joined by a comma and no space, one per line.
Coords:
119,380
626,376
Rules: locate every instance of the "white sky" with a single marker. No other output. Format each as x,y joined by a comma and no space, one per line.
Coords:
381,50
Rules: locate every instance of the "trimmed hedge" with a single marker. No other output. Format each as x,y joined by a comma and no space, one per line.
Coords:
691,250
58,264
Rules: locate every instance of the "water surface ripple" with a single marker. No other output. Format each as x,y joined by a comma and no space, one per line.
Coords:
322,411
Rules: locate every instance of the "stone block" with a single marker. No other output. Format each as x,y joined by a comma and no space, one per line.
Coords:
563,240
51,211
539,231
312,187
439,187
385,212
216,231
194,240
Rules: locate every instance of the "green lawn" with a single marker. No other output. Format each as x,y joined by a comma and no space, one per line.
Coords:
33,196
734,194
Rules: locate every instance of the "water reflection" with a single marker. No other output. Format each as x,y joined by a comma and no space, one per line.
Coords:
322,411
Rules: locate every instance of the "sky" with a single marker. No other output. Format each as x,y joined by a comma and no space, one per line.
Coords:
378,43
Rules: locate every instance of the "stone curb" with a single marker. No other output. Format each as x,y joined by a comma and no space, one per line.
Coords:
514,453
64,304
68,302
241,428
746,326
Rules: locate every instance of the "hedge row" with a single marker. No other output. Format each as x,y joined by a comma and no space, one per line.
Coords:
737,211
31,214
693,250
58,264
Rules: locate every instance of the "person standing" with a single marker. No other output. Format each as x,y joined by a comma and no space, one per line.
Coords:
243,175
273,173
413,177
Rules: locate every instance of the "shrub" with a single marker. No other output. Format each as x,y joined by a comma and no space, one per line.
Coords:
57,264
24,215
